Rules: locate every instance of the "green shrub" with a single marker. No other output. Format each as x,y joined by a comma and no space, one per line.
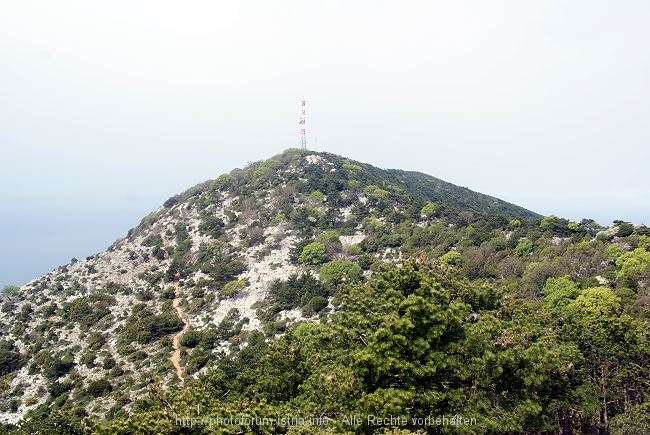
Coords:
168,293
232,288
224,182
145,327
10,290
306,218
217,261
197,292
317,196
88,359
191,338
176,269
376,192
197,360
209,338
57,367
264,169
58,388
313,253
340,271
212,226
555,225
138,355
87,311
429,210
152,240
99,387
171,202
229,327
633,265
452,258
296,291
624,229
315,305
108,363
10,358
158,252
49,309
524,248
124,347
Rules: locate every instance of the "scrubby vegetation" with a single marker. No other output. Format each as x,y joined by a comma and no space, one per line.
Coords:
386,292
424,340
144,327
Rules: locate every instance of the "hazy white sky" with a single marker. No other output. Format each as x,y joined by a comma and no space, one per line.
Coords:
121,104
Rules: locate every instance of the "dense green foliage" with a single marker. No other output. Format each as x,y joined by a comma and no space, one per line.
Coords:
145,327
298,291
313,253
418,341
10,358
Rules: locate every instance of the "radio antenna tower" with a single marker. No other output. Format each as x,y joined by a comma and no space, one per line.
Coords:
302,125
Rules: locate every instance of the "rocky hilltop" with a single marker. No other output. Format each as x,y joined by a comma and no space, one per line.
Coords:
100,329
249,254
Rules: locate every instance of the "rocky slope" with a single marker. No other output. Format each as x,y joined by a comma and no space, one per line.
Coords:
197,275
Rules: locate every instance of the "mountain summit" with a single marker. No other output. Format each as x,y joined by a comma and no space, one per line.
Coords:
204,263
232,264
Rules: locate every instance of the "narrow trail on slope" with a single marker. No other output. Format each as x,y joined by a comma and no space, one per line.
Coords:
175,358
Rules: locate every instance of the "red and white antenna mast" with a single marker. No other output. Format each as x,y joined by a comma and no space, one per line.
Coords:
302,124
